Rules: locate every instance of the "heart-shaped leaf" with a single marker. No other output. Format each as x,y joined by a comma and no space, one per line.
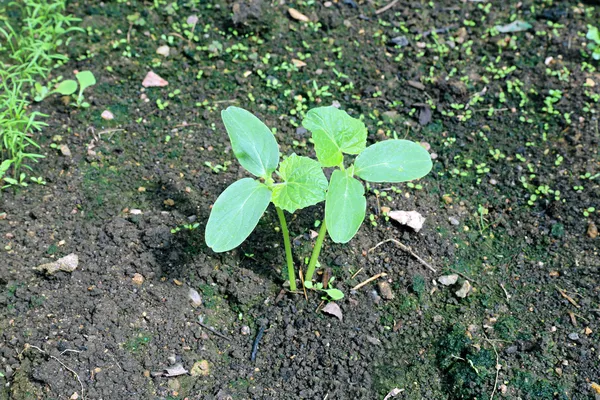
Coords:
304,183
393,161
252,142
335,132
85,79
345,206
236,213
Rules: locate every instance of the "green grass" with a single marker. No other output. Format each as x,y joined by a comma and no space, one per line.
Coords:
28,53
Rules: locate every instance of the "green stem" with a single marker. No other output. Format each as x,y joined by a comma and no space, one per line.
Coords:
315,254
288,248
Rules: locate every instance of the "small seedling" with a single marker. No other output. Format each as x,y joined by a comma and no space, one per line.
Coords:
39,180
20,181
69,87
299,182
593,34
330,294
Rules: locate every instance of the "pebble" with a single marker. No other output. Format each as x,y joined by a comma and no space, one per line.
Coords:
195,298
454,221
163,51
493,181
448,280
172,359
245,330
574,336
200,368
64,150
137,279
464,290
438,318
107,115
385,290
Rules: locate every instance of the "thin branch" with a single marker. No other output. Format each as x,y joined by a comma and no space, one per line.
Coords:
371,279
405,248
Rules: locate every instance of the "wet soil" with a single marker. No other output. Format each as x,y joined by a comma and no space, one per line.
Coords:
529,327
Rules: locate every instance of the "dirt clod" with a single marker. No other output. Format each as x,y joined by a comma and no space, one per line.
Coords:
385,290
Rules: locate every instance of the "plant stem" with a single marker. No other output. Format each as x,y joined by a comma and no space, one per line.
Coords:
288,248
315,254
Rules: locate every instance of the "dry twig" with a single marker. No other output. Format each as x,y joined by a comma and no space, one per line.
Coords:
498,367
213,330
386,7
405,248
30,346
371,279
566,296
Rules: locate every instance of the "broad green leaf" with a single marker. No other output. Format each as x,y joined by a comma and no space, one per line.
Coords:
252,142
85,79
334,294
236,213
345,206
4,167
393,161
67,87
593,33
304,183
335,132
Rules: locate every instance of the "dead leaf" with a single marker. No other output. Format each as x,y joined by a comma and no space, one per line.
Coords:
64,150
515,26
464,290
409,218
298,63
333,309
425,115
153,80
297,15
67,264
195,298
393,393
175,370
200,368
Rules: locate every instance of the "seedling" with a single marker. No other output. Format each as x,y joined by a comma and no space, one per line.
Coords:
593,34
330,294
65,88
69,87
299,181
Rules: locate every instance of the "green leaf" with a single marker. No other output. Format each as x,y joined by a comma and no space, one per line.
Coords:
335,132
253,143
4,167
85,79
304,183
334,294
236,213
308,284
67,88
393,161
593,33
345,206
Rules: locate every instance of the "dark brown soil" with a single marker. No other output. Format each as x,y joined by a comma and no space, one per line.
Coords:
534,265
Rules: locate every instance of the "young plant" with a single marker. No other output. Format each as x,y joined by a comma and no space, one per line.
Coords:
69,87
65,88
300,182
593,34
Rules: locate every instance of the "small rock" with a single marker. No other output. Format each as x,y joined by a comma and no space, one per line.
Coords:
385,290
401,41
135,211
66,264
448,280
574,336
172,359
493,182
587,331
375,296
245,330
74,396
137,279
297,15
373,340
592,230
200,368
298,63
589,82
107,115
437,318
464,290
153,80
411,219
64,150
175,370
147,373
512,349
163,51
169,202
454,221
195,298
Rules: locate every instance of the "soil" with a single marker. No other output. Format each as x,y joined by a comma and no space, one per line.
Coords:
528,329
